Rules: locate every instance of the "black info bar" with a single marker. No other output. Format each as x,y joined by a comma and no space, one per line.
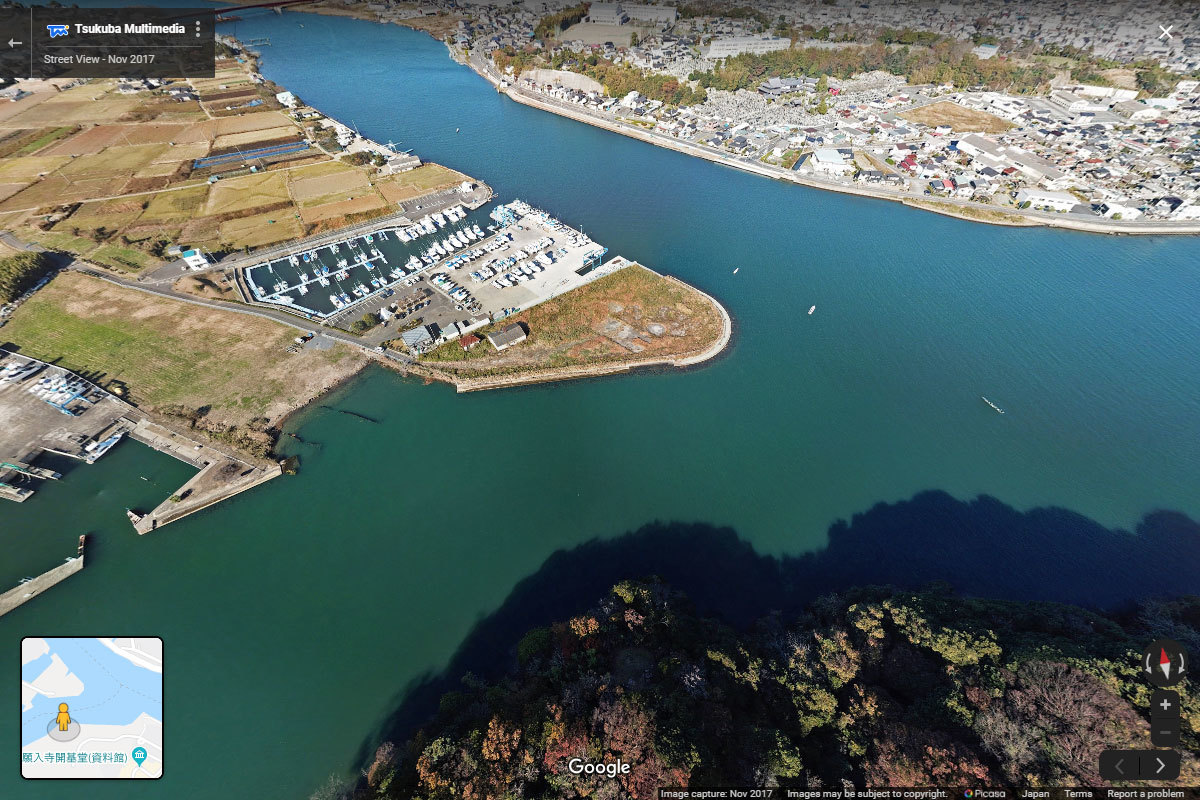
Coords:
926,793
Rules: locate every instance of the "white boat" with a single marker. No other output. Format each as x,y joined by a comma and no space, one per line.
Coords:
810,311
337,302
995,407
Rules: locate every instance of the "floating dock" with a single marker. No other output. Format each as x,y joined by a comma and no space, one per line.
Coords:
323,281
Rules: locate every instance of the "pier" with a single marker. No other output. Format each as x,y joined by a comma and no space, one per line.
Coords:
32,422
24,592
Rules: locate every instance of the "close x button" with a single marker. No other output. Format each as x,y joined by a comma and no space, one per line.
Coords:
1143,765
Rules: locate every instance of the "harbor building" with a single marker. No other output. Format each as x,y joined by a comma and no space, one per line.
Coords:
507,337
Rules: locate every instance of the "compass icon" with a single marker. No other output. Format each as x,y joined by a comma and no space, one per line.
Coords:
1164,663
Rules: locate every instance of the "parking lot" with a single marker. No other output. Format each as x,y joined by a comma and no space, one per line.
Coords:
539,257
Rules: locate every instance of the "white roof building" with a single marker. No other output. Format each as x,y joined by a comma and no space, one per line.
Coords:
1038,198
736,45
606,14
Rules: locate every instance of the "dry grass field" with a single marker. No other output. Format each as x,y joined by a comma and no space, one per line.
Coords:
170,353
960,120
632,314
425,178
27,168
175,206
248,139
246,191
308,187
260,230
359,205
88,141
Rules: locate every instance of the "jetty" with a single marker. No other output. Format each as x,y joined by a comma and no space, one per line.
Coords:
35,417
28,589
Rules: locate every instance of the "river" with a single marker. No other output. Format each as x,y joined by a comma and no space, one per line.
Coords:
297,616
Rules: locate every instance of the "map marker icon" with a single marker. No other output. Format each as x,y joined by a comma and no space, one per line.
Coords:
139,755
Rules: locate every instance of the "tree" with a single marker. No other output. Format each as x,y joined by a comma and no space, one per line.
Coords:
364,323
21,272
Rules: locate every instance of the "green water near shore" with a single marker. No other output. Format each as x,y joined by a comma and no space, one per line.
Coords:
297,616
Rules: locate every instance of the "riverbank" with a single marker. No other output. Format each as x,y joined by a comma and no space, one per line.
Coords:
964,210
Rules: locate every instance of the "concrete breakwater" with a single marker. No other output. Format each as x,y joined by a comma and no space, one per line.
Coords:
24,592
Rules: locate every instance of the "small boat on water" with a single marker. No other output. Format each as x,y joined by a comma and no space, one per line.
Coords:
995,407
810,310
735,269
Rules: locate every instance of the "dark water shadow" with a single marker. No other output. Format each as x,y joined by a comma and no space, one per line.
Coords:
980,547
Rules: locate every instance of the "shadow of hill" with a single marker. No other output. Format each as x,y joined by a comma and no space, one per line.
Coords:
982,548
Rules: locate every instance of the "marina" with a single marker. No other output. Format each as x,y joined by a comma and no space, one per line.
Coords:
479,269
324,281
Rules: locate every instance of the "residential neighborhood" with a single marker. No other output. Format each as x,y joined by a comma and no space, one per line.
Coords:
1119,151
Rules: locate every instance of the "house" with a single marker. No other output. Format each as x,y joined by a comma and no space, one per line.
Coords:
1115,210
417,339
1055,201
469,341
830,161
507,337
194,259
287,99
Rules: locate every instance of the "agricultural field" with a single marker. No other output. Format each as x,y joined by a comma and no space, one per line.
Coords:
960,120
175,206
309,184
247,191
260,230
174,355
119,184
414,183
